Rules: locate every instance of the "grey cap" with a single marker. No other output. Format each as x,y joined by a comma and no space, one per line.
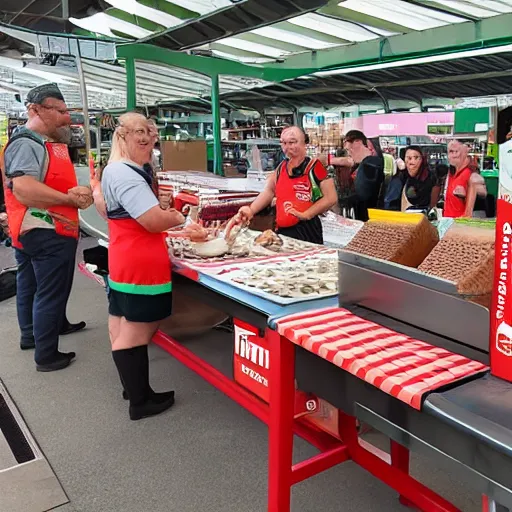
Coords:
41,92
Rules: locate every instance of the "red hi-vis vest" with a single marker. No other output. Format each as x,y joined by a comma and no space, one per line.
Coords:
60,176
456,206
295,192
138,260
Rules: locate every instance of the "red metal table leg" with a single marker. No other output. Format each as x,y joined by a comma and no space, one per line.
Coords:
282,392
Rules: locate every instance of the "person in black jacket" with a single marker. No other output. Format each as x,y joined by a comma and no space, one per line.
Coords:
369,173
416,187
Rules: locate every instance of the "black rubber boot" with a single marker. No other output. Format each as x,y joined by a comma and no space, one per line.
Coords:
133,367
157,397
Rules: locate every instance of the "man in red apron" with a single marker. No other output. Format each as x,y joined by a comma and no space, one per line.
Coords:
42,200
301,188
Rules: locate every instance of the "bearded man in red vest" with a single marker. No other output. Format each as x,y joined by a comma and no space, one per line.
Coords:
42,199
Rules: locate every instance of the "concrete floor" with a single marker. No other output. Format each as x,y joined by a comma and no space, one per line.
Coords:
206,454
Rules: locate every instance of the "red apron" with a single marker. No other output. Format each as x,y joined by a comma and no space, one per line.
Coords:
294,192
456,206
138,260
61,176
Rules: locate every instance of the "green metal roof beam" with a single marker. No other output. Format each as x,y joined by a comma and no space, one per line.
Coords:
489,32
210,66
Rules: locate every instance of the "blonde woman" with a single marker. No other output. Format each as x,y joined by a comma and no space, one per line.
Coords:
139,266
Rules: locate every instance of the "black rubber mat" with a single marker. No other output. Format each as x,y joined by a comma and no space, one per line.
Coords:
13,434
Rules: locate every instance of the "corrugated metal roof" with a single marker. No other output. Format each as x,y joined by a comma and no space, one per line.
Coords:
335,24
472,73
216,25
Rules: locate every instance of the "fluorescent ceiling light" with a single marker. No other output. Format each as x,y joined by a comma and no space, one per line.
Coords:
292,38
249,46
420,60
333,27
154,15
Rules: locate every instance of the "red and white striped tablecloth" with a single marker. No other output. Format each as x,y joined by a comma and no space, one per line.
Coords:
397,364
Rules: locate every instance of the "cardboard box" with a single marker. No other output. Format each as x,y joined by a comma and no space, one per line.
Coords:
184,155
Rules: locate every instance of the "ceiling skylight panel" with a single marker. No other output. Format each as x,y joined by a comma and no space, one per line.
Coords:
402,13
102,23
249,46
499,6
245,60
333,27
148,13
202,6
292,38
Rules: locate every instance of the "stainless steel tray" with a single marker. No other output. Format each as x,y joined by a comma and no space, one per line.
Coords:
412,297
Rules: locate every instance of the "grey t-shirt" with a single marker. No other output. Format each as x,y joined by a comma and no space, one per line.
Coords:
26,157
123,187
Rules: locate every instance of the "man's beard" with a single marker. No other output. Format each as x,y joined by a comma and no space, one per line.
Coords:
62,135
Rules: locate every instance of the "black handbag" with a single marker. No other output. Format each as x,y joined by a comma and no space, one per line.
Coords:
8,283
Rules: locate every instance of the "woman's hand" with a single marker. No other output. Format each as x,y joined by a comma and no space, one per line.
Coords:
245,214
300,215
196,233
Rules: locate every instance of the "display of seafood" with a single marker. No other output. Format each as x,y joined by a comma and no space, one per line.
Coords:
270,240
246,243
308,278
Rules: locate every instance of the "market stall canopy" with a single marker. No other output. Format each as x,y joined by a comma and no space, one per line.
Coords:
258,31
106,82
485,72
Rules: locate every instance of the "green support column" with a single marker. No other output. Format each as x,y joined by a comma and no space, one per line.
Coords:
131,84
217,142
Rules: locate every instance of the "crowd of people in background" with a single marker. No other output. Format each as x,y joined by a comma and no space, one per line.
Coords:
366,177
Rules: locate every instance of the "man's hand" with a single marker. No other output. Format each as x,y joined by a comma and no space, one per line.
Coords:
81,197
300,215
459,191
165,199
245,214
4,226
